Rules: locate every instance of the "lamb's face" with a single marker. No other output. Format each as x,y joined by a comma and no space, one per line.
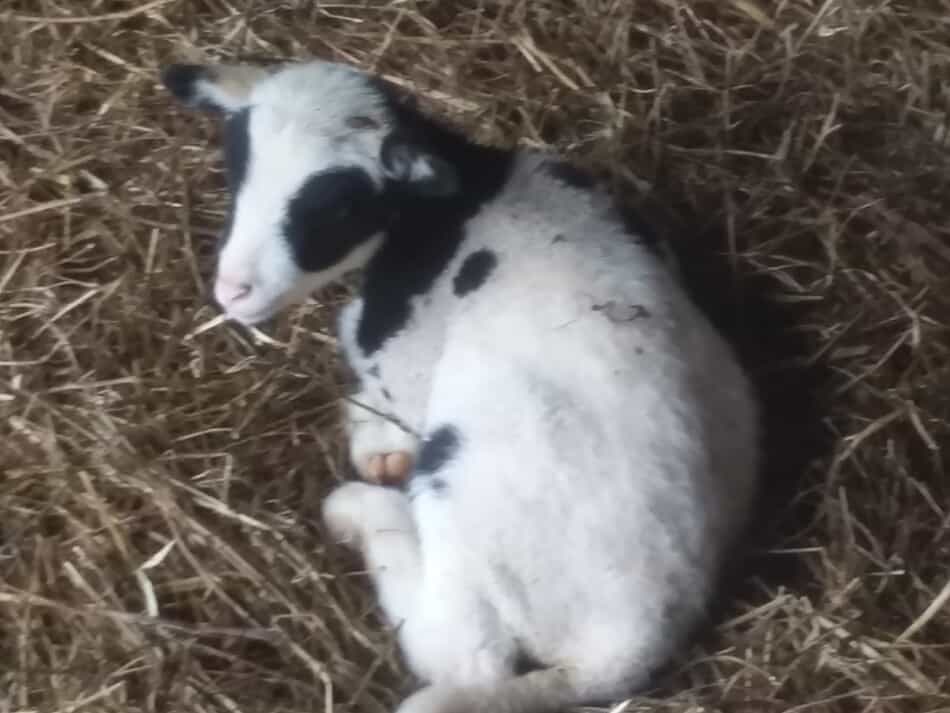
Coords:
312,155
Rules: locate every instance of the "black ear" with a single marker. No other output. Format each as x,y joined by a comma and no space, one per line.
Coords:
419,171
219,88
182,81
397,95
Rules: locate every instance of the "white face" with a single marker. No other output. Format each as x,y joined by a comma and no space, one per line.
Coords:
310,161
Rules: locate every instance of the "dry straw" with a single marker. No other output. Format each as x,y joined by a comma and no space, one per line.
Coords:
160,471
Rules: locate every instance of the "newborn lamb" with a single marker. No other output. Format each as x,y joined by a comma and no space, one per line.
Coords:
582,445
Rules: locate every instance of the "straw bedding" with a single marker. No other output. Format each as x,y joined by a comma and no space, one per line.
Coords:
160,472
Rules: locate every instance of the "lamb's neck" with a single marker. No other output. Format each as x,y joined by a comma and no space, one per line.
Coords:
423,239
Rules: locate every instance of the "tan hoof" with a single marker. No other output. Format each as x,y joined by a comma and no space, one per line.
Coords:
388,468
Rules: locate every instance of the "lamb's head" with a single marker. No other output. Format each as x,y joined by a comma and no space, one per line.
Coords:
318,160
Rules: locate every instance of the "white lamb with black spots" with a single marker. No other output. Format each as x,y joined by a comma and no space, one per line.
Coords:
585,445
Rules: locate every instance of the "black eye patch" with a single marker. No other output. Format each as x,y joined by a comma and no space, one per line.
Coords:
237,148
332,213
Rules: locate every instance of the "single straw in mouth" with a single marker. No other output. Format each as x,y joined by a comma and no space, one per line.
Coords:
256,333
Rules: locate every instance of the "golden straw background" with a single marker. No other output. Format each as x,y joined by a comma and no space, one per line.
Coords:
160,477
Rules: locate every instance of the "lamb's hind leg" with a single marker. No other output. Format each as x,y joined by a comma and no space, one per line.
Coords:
447,634
585,677
377,522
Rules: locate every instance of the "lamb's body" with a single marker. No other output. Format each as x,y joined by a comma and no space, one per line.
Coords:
600,449
589,443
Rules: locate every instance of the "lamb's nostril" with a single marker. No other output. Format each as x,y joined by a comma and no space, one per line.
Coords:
228,291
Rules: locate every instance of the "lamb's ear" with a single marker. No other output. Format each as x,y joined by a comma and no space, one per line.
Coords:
219,88
418,170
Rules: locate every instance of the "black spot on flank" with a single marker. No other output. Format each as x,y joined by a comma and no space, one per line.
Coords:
332,214
373,371
474,271
570,174
425,234
237,148
437,450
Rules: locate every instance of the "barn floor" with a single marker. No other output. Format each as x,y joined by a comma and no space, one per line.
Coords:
160,473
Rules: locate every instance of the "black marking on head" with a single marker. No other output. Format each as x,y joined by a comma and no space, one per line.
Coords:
397,97
182,79
570,174
402,158
474,271
423,239
437,450
237,148
237,151
333,212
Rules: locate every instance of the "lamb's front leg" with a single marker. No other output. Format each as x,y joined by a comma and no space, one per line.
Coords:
381,415
381,448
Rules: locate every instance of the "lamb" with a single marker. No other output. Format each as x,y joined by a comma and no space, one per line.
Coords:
584,446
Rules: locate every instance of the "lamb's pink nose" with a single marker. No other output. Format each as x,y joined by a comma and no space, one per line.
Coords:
228,290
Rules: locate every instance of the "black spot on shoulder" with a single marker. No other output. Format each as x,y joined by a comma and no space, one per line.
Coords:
426,233
237,148
437,450
570,174
331,214
474,271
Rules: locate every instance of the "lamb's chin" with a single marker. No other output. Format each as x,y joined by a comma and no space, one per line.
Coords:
266,313
254,318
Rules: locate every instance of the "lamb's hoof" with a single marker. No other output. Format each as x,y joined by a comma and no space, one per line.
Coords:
387,468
